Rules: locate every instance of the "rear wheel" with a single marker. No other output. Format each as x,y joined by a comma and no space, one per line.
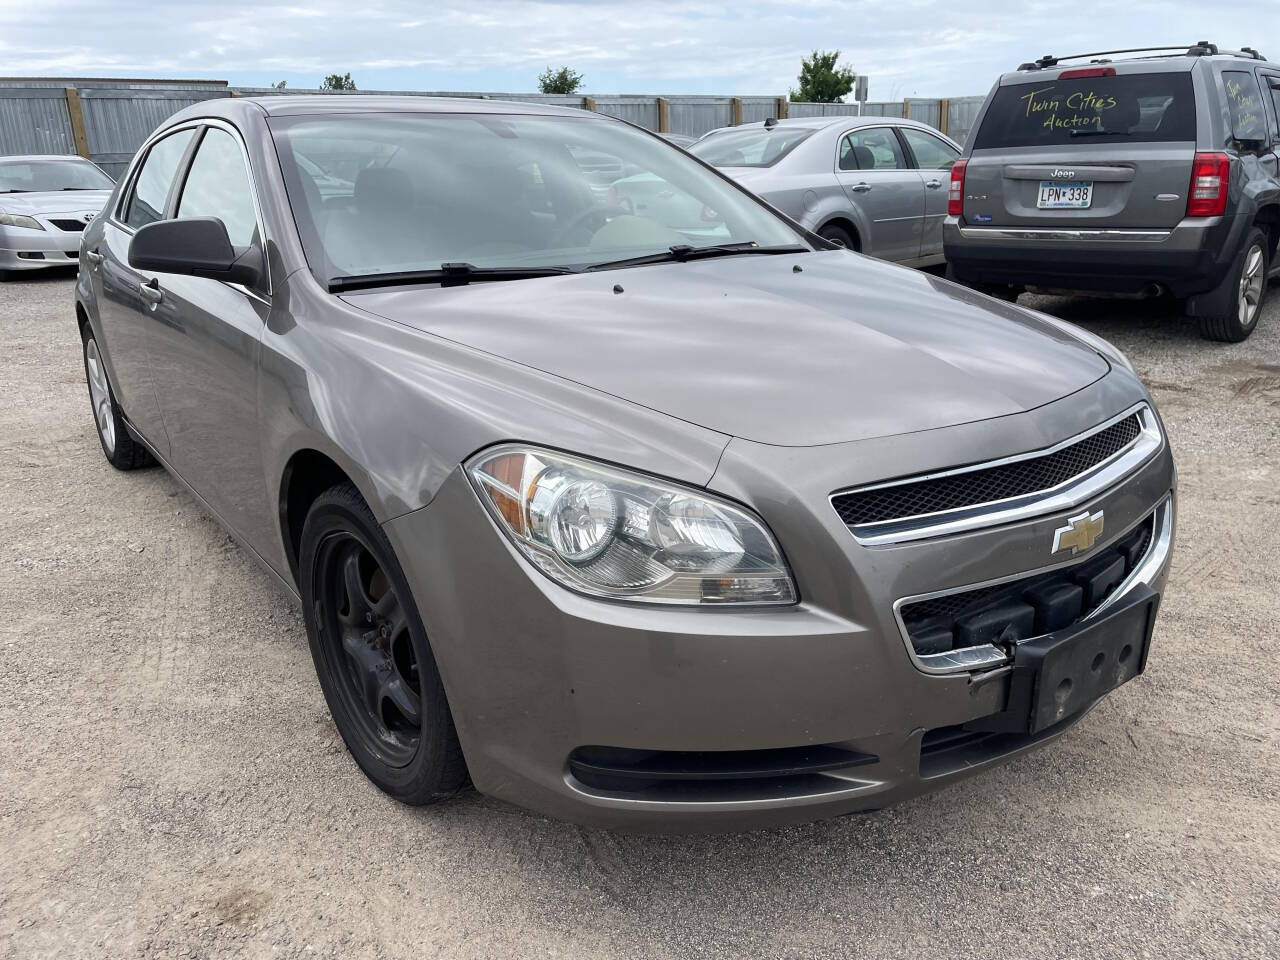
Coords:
838,235
121,450
372,656
1247,285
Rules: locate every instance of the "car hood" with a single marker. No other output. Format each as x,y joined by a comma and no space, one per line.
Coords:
54,202
793,350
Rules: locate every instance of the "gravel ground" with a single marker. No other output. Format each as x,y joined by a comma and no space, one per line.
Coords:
173,786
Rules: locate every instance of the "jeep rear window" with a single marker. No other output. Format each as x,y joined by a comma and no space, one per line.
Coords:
1130,108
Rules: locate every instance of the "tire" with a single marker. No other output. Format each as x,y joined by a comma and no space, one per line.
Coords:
118,445
838,235
1246,290
371,654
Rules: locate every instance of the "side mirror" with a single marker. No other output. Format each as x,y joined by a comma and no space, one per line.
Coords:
197,247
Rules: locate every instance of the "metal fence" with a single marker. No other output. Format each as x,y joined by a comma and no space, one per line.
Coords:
107,120
954,116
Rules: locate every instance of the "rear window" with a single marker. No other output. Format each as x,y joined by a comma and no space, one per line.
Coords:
753,147
1130,108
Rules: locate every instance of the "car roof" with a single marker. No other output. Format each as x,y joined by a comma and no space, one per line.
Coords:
1049,68
371,103
821,123
7,158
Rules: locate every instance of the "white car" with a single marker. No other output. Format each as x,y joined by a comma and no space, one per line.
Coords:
45,204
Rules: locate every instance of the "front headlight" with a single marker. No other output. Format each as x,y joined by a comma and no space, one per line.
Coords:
15,220
611,533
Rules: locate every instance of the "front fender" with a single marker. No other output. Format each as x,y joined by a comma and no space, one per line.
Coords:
398,409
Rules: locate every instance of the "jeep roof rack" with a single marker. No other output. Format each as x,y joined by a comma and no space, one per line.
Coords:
1202,48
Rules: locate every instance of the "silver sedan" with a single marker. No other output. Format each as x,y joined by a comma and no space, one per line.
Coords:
45,203
877,185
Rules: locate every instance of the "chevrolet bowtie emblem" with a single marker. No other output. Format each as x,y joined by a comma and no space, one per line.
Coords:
1079,534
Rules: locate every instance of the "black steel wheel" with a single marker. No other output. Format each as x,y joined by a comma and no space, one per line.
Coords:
371,653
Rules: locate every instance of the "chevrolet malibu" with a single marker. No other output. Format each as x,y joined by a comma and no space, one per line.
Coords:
642,522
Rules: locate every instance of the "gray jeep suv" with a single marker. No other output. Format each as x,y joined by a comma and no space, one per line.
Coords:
1153,174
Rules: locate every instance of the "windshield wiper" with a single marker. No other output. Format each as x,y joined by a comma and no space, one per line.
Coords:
682,252
15,190
1101,133
449,275
82,188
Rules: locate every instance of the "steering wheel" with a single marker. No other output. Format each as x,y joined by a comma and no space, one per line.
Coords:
601,213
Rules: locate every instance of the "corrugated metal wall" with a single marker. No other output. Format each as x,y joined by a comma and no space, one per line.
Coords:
638,110
120,114
35,120
116,122
962,113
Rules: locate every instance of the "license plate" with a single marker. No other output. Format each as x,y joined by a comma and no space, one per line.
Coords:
1065,194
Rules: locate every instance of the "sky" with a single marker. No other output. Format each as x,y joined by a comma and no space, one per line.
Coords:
920,48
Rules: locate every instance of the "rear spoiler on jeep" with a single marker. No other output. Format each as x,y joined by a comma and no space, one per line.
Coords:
1202,48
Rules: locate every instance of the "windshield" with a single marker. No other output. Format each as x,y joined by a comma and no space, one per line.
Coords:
392,193
1130,108
749,147
38,176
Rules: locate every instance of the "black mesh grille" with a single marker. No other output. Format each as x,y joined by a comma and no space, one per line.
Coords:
980,616
975,487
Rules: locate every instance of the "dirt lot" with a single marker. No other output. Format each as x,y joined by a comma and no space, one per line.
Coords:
172,785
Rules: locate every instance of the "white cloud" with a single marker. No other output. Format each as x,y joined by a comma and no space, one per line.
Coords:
907,47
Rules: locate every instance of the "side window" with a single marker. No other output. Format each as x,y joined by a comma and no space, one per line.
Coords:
151,187
1244,100
875,149
931,153
1272,82
218,186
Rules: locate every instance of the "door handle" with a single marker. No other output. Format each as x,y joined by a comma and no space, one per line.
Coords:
933,184
94,258
863,187
151,292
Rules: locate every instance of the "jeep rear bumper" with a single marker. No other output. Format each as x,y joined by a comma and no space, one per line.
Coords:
1189,259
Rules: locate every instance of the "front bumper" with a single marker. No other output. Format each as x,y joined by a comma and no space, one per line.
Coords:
1190,258
535,673
25,249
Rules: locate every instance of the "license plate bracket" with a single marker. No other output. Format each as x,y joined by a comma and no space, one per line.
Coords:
1065,195
1060,674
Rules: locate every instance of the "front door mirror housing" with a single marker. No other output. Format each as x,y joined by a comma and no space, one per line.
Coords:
197,247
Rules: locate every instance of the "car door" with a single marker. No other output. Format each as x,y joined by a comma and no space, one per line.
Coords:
876,175
206,337
933,157
126,318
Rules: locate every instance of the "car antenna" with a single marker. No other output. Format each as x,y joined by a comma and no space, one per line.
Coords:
770,122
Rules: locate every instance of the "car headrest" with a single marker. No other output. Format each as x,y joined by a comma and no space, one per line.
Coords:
1123,117
863,157
383,188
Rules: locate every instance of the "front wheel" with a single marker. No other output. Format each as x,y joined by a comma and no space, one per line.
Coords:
372,656
1247,280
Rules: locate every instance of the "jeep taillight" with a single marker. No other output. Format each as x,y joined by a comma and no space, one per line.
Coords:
955,193
1210,174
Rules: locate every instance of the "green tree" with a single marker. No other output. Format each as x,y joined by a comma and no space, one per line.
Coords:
563,80
821,81
338,81
280,86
